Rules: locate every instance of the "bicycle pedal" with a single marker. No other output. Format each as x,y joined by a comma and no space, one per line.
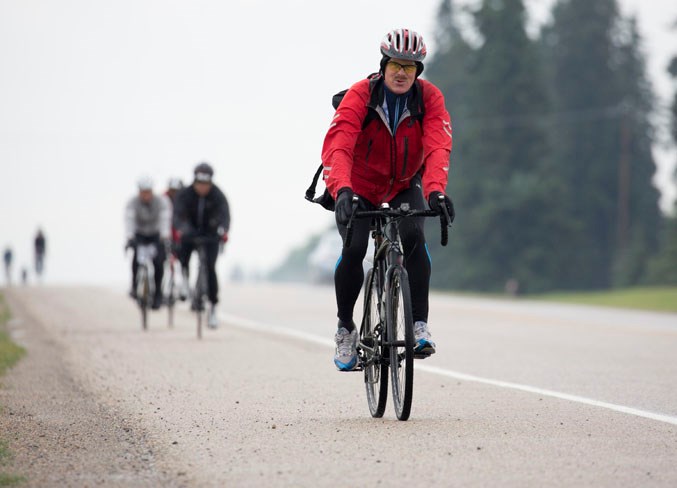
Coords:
354,370
422,355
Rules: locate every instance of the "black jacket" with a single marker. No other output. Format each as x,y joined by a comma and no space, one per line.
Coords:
202,215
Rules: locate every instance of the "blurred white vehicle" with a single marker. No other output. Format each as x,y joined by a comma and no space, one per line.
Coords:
322,260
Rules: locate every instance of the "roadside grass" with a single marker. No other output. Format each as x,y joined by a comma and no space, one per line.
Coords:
10,353
5,478
658,299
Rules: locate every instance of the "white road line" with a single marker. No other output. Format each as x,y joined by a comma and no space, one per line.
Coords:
287,332
244,323
555,394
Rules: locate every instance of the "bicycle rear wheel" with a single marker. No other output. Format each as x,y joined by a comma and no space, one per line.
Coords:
372,351
401,341
143,294
199,303
199,324
171,300
170,314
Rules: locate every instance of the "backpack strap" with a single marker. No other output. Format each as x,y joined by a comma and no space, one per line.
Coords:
310,192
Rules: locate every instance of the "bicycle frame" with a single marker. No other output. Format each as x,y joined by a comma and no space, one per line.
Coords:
388,254
387,343
201,285
169,287
145,279
145,253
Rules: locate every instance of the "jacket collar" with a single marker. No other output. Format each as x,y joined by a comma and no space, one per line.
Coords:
414,101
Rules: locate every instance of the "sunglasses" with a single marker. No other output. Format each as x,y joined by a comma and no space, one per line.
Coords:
408,68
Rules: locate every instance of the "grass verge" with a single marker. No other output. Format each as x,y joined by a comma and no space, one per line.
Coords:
658,299
10,353
5,478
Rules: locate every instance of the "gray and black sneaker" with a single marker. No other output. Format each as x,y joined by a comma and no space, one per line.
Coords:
345,358
184,288
423,346
213,320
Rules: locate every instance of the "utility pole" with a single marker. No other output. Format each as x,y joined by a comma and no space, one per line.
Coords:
623,213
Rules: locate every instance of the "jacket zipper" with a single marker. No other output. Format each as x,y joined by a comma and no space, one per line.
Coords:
406,155
393,147
393,155
369,144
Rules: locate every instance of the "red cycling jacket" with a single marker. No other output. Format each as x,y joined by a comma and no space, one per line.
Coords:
371,161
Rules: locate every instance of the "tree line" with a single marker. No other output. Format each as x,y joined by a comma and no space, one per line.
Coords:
551,169
552,166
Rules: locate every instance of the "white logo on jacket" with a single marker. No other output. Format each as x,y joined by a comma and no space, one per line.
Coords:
446,125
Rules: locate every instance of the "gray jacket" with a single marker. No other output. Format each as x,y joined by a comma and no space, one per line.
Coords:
148,219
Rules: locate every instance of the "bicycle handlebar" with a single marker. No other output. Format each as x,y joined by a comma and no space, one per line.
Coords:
197,240
445,221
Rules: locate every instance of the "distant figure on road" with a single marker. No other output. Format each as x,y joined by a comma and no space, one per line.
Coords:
7,257
201,210
389,142
24,276
40,247
147,221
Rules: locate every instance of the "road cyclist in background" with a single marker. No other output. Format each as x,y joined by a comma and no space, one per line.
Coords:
174,185
201,211
7,257
147,221
40,248
389,142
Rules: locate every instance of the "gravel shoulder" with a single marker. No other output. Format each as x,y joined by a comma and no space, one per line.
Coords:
58,431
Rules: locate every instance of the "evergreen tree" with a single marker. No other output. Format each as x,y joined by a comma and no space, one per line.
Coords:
602,141
638,215
662,268
508,222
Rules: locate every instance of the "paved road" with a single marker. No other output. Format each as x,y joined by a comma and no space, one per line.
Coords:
519,394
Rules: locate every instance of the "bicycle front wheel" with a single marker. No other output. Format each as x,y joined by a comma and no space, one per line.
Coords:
401,341
171,300
143,295
372,352
199,303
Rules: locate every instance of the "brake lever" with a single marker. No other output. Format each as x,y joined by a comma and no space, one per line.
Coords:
349,227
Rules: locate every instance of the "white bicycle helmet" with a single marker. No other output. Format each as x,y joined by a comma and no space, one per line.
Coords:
145,183
404,44
175,184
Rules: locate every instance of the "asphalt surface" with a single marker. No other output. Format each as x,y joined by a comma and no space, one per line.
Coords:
519,394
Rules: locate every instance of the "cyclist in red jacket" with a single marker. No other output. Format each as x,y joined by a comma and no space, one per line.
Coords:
389,141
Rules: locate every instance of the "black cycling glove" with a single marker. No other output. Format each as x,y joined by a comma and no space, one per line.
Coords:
435,201
343,209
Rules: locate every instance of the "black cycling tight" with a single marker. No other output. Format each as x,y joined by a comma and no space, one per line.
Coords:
349,274
211,253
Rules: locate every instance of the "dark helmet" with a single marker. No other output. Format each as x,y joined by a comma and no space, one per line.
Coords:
203,172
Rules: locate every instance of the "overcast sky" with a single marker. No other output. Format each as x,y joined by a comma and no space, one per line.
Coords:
95,94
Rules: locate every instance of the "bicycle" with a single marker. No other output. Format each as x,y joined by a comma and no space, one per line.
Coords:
386,337
39,264
201,288
170,293
145,280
